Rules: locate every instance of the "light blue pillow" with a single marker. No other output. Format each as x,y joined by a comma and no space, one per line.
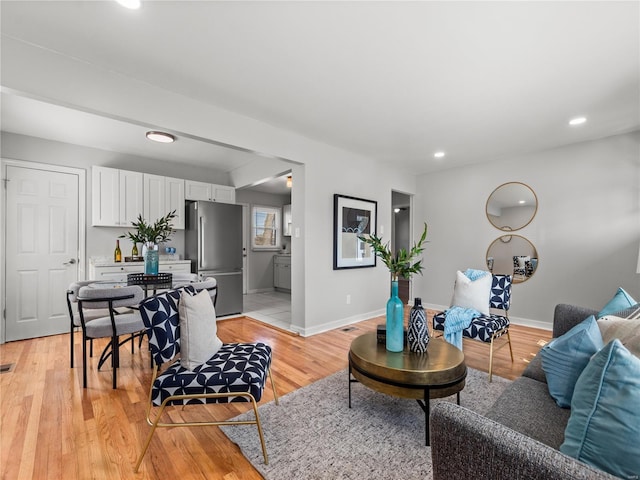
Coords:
604,426
620,301
564,358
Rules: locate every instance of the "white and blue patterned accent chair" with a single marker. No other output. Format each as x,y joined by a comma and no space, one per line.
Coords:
236,373
487,328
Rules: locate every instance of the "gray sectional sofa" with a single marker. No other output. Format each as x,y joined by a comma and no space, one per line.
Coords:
520,436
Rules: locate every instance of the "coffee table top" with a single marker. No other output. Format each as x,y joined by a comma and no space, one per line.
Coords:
442,364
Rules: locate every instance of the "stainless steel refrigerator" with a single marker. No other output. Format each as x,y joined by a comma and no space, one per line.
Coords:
213,243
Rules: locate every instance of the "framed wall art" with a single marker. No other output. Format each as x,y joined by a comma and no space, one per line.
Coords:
353,217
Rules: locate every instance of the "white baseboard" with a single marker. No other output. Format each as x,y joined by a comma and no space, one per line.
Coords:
261,290
343,322
525,322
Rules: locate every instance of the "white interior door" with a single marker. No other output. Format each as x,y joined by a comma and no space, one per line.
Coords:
42,252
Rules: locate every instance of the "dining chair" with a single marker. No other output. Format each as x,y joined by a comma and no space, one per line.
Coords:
211,285
74,315
181,279
111,325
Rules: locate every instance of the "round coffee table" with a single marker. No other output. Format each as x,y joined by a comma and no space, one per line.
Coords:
438,373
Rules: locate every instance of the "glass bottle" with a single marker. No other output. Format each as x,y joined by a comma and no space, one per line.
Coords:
395,320
117,254
134,250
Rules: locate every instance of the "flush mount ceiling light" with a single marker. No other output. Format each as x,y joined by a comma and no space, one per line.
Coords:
131,4
438,154
289,181
577,121
162,137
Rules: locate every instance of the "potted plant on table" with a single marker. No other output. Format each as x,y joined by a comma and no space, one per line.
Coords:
150,235
401,264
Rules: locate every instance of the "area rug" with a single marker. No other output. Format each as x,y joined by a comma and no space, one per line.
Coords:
313,434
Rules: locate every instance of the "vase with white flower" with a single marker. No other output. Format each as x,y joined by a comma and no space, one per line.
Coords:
401,264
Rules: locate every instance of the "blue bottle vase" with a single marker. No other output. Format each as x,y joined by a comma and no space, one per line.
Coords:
395,320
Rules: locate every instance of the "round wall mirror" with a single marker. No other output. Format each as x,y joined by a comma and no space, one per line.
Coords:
512,255
512,206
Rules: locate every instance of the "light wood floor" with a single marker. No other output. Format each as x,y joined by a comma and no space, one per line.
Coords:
52,428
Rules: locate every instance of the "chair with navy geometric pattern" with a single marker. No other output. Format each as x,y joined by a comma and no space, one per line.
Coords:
487,328
236,373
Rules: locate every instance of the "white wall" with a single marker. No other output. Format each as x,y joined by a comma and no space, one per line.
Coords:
586,230
326,289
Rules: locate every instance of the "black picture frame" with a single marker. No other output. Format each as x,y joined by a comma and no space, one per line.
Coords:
353,217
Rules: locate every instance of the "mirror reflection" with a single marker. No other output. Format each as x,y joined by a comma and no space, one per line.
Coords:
512,255
511,206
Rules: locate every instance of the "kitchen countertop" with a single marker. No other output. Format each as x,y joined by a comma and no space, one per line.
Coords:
108,262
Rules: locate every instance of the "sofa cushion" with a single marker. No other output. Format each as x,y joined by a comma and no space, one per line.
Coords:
564,358
625,330
620,301
534,370
604,427
526,407
198,330
472,293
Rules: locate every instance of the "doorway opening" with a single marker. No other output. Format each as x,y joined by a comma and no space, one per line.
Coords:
401,235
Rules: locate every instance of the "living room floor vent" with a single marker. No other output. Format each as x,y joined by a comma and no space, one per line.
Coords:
7,367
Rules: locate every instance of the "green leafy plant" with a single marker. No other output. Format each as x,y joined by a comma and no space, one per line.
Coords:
159,231
399,264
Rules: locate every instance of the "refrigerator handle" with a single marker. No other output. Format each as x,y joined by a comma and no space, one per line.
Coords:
201,242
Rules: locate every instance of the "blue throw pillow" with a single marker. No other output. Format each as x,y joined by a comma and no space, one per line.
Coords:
604,426
620,301
564,358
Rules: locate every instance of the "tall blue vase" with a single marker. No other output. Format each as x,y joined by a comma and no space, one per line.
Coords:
395,320
151,258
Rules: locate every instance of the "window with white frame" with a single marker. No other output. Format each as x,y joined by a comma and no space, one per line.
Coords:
265,227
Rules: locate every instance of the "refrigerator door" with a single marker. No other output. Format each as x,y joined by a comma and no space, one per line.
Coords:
229,299
219,236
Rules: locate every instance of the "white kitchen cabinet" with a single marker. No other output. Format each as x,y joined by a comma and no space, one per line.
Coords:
223,194
282,272
197,190
117,197
174,200
163,195
209,192
286,220
117,272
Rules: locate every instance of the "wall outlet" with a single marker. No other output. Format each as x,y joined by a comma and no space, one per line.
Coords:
348,299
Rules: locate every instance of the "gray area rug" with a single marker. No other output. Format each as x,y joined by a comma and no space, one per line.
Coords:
313,434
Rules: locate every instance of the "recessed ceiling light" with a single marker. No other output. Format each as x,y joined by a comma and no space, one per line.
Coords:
131,4
438,154
521,201
577,121
162,137
396,210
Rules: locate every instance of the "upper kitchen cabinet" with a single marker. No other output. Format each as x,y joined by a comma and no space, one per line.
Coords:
286,220
163,195
210,192
117,197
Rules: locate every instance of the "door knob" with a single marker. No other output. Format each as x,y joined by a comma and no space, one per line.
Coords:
70,262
